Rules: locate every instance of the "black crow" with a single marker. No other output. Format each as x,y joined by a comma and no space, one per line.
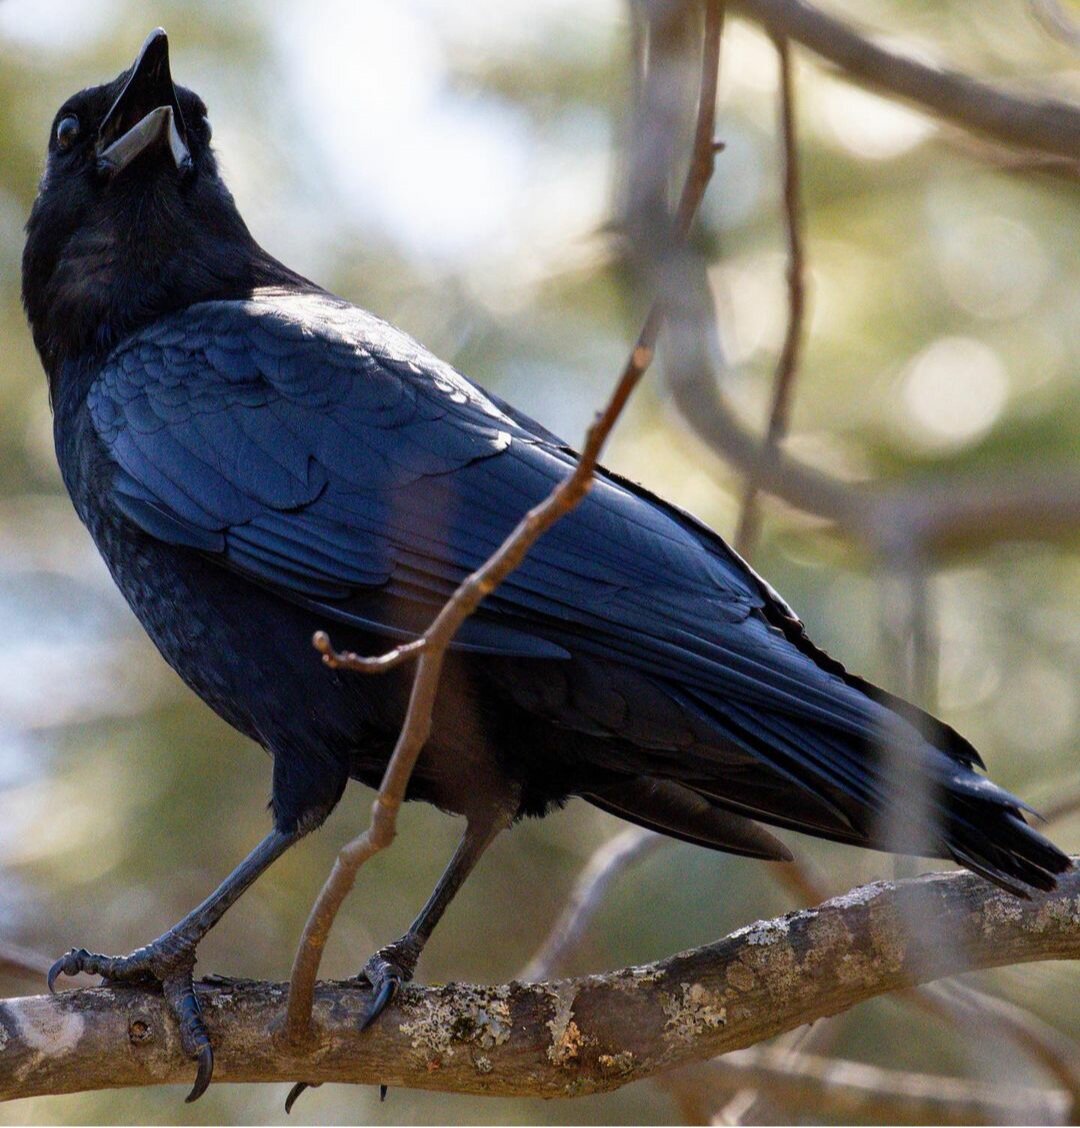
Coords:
257,459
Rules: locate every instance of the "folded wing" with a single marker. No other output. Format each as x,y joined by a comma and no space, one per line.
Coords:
314,448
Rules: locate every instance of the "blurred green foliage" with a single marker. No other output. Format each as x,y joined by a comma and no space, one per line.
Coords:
449,164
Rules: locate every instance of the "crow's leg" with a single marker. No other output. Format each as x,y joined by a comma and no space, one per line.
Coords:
393,965
170,959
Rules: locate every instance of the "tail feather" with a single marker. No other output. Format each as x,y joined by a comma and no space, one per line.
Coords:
831,784
999,845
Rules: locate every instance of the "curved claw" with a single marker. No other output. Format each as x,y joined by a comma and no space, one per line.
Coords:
54,973
388,988
71,963
295,1092
203,1074
184,1003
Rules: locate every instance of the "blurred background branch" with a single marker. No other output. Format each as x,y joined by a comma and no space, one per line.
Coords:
610,860
22,963
846,1090
1046,125
787,366
1052,15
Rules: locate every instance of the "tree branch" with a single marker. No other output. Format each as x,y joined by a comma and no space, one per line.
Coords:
1045,125
563,1038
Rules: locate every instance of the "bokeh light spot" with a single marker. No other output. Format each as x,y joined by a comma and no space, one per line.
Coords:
872,127
992,267
953,392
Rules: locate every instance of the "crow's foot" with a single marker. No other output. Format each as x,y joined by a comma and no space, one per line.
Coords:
386,971
168,963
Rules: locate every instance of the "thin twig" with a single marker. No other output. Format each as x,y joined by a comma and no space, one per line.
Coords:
359,663
417,725
787,367
510,554
1044,125
615,856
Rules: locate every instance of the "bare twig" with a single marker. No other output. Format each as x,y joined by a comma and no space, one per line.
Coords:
379,664
564,1038
788,364
466,599
1045,125
613,858
417,726
848,1089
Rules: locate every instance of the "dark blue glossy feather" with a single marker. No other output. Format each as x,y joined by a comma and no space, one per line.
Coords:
304,443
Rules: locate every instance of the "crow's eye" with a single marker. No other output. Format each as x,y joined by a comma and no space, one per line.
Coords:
67,132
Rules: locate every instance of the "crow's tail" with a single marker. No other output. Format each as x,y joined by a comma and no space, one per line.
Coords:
906,791
994,840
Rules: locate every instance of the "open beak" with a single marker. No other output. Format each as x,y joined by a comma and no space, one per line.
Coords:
145,113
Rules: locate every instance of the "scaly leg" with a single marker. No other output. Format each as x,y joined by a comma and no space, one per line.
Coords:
170,959
393,965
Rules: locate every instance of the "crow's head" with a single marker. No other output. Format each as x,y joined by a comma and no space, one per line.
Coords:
131,219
